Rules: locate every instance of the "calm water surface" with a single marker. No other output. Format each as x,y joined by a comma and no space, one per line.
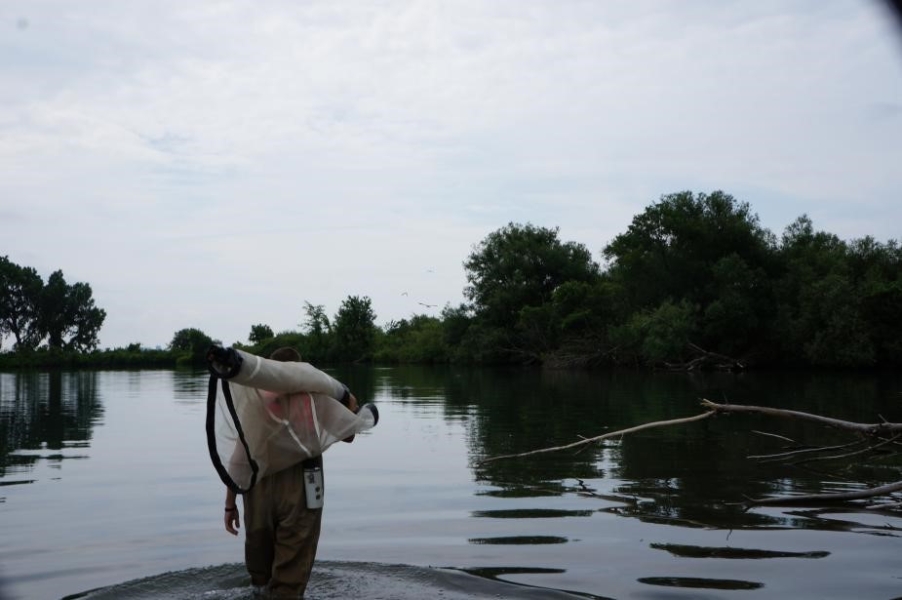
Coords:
105,482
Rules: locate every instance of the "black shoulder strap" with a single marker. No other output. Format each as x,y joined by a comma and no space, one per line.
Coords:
211,436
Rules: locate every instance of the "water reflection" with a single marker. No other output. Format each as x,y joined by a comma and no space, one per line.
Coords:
695,475
584,520
702,583
828,519
524,491
502,573
190,385
684,551
47,415
519,540
531,513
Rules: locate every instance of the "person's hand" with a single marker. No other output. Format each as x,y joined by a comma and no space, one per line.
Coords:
223,362
353,406
232,520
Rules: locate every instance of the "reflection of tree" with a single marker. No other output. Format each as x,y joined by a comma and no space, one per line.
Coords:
509,410
45,411
190,385
691,473
360,380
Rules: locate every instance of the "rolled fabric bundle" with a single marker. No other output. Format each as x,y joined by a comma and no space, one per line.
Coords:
255,371
269,415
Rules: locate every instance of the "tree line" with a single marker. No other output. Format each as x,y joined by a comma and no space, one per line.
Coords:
694,282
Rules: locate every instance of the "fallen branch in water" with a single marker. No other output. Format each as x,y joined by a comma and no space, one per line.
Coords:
605,436
870,429
827,498
869,449
801,452
873,436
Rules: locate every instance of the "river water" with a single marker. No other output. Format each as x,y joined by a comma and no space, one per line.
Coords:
107,491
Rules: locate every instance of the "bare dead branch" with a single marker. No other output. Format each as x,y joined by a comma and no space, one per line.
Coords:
605,436
885,505
779,437
874,436
861,428
793,453
870,448
827,498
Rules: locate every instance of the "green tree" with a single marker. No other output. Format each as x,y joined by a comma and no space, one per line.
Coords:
418,340
289,339
390,342
878,269
520,266
67,316
86,318
512,277
20,290
192,344
260,333
582,308
740,307
455,322
659,335
354,330
485,345
582,317
462,335
536,334
318,329
706,251
426,342
820,313
670,249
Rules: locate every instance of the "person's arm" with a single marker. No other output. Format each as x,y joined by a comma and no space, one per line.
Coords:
282,377
232,519
277,376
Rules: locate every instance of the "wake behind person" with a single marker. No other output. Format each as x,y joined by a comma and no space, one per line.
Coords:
272,456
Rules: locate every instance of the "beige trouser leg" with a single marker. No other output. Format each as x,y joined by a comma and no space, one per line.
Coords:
282,533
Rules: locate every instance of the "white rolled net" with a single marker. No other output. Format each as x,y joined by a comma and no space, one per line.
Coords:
281,414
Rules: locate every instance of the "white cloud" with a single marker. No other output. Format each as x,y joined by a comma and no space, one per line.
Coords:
215,164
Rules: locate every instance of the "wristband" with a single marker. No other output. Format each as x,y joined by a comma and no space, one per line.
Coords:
231,509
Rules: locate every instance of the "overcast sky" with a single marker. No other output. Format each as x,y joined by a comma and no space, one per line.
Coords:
216,164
